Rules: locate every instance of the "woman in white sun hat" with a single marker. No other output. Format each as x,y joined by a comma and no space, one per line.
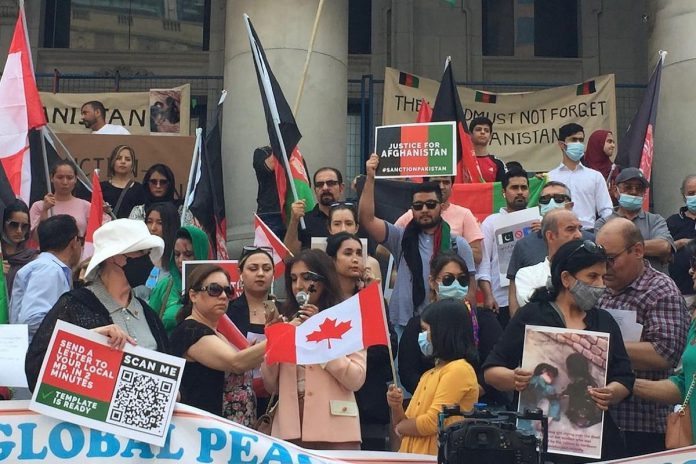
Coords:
124,252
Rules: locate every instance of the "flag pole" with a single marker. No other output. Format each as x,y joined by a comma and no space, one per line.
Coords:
195,162
296,106
268,90
31,65
47,133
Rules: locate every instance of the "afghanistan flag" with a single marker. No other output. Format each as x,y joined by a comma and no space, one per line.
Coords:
448,107
586,88
485,97
208,198
423,135
299,176
393,198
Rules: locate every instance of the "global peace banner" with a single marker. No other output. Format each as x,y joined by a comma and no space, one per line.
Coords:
525,125
194,436
158,111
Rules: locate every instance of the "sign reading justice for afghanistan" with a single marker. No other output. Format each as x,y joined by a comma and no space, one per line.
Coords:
416,150
130,393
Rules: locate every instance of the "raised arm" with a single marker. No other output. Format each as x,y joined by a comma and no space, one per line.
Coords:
214,353
366,210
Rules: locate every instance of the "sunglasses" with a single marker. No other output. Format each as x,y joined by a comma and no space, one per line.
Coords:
251,249
430,204
312,276
17,225
340,204
215,290
159,182
449,279
329,183
558,198
590,247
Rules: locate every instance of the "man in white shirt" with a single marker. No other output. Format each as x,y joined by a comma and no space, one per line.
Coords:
516,191
93,113
558,227
590,192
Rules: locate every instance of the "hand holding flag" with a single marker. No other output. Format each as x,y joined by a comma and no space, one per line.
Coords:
353,325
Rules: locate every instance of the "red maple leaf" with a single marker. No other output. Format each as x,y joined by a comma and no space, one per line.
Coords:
328,330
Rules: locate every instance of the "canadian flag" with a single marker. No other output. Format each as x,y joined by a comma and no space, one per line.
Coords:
350,326
264,237
20,111
96,215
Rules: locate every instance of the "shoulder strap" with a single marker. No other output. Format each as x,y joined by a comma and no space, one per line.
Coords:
122,196
688,393
165,298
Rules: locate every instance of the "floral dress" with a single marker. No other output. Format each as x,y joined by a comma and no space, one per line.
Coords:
238,399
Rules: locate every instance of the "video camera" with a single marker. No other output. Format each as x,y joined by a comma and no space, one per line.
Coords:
486,437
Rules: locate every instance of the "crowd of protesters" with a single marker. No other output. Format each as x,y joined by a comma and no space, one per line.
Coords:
595,248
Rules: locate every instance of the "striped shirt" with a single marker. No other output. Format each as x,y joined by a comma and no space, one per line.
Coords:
662,311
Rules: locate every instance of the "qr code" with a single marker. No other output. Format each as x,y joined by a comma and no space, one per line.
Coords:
141,401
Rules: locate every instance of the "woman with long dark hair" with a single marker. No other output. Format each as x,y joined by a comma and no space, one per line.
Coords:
160,187
15,233
161,220
448,333
308,412
577,271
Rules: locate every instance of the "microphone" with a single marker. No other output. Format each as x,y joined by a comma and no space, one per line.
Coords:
302,298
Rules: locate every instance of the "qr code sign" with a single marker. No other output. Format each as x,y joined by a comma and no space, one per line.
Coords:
141,401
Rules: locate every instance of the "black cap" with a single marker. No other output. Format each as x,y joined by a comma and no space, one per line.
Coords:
632,173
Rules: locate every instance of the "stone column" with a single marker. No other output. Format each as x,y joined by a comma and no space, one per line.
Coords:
672,23
284,29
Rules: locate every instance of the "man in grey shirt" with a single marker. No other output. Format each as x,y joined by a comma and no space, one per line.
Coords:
425,235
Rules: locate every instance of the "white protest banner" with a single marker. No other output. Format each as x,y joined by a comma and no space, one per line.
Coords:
564,364
193,436
142,113
508,229
14,342
416,150
129,393
525,124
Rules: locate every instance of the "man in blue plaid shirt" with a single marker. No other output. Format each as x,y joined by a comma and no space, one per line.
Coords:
633,285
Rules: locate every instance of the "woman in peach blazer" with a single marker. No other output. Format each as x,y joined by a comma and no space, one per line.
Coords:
316,403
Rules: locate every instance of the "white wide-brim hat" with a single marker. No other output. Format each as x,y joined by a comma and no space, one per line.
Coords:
122,236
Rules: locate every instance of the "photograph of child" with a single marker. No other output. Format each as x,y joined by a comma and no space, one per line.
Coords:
564,364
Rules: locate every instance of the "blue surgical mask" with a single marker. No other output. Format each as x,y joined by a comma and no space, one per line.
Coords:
691,203
455,291
630,202
575,150
425,346
550,206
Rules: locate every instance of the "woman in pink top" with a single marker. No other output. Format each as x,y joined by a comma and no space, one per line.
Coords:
62,201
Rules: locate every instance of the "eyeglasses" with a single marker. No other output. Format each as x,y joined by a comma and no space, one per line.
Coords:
215,290
430,204
340,204
159,182
24,226
312,276
558,198
612,259
449,279
590,247
329,183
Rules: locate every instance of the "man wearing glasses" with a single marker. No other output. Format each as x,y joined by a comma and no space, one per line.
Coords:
633,285
40,283
328,189
631,185
413,246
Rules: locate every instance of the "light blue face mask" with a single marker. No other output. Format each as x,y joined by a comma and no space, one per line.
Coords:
550,206
575,150
455,291
425,346
630,202
691,203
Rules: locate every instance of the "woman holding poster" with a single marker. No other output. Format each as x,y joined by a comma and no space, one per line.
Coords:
209,356
577,270
316,403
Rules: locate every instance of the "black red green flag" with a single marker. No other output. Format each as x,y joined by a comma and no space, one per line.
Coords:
484,97
409,80
424,150
586,88
448,107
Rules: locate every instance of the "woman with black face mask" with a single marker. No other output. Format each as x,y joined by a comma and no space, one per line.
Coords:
107,304
577,271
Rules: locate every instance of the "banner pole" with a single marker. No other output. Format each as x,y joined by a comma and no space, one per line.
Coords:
310,48
48,133
270,99
195,162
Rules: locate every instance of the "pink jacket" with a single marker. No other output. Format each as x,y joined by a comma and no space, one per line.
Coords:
328,392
